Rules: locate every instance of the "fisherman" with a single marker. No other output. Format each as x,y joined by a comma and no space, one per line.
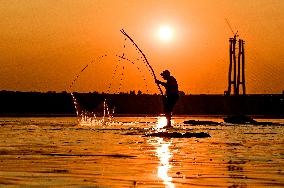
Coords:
172,95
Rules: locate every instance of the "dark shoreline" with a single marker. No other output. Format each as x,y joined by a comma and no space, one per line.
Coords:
140,115
52,104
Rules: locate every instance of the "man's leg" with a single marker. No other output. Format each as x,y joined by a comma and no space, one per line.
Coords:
168,112
168,116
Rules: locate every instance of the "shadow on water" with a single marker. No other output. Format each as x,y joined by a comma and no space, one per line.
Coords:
88,155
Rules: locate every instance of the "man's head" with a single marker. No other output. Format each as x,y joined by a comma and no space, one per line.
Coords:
165,74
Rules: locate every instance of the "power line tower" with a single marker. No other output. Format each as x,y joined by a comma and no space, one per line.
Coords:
236,76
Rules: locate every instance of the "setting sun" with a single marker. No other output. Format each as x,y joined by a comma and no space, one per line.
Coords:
165,33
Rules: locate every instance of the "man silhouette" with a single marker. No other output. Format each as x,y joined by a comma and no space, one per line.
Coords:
172,95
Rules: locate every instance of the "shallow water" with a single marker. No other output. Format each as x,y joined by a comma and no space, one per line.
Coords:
60,152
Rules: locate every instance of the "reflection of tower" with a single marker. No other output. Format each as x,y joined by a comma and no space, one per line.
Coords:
236,76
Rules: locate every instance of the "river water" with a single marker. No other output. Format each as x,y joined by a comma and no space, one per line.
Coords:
61,152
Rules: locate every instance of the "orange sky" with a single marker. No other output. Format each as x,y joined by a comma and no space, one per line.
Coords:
45,43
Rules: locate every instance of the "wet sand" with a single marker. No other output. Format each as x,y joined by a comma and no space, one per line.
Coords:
59,152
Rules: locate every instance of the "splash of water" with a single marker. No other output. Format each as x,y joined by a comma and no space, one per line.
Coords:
85,117
138,68
80,73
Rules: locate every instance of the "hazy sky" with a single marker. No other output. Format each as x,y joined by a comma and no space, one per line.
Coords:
44,44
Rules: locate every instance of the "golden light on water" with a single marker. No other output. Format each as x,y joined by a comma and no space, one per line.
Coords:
164,155
89,156
161,122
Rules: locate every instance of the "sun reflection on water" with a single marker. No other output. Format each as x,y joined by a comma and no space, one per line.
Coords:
164,154
161,122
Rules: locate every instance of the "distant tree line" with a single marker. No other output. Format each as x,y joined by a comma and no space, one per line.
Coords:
61,104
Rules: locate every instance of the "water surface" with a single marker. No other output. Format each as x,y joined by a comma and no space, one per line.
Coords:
61,152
